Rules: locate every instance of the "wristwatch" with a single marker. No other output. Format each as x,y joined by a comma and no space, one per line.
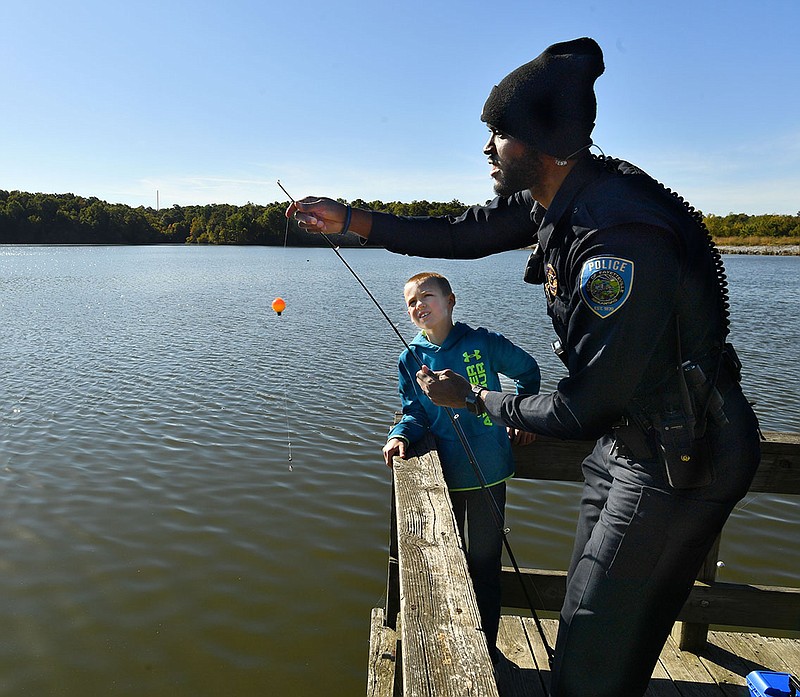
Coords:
473,400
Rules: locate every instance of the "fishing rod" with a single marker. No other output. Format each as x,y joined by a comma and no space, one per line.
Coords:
453,416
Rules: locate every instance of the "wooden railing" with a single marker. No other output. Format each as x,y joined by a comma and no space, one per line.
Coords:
430,625
711,602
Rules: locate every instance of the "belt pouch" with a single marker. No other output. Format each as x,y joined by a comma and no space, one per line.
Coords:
634,441
686,459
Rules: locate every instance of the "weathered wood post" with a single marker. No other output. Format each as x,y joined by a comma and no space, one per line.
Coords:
444,649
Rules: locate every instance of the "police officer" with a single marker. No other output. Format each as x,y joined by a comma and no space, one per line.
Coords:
635,291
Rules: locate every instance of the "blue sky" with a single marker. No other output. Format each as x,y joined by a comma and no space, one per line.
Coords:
212,102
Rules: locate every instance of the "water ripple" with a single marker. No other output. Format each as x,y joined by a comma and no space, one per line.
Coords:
158,540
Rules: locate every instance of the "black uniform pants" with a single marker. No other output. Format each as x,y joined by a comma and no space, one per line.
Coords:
638,547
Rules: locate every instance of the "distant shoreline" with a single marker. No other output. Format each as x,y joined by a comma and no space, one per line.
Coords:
792,250
788,250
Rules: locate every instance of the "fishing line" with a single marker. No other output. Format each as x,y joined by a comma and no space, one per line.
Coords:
496,512
288,428
279,305
285,405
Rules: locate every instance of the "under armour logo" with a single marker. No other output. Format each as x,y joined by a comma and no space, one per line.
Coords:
475,355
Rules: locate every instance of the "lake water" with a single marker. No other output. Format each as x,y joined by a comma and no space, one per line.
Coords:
157,539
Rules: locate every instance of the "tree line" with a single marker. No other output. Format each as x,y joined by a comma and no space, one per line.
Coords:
27,218
38,218
785,228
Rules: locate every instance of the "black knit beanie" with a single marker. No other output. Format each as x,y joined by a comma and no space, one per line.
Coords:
549,103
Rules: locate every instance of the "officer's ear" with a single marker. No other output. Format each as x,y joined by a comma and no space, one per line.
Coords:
451,301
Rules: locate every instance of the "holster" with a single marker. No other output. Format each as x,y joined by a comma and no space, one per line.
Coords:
674,430
534,269
686,458
669,438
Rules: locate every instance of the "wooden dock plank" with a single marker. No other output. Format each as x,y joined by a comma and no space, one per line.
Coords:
728,670
789,651
764,653
661,685
517,672
687,672
720,670
382,657
444,649
551,634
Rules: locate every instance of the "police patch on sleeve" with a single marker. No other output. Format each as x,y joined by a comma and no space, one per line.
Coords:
606,284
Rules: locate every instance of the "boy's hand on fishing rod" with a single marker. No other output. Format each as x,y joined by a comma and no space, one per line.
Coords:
395,447
318,214
446,388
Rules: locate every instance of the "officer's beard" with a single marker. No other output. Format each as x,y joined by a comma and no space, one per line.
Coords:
524,172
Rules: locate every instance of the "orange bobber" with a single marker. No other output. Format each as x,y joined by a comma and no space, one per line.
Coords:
279,305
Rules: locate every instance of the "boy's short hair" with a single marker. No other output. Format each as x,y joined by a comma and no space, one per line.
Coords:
441,281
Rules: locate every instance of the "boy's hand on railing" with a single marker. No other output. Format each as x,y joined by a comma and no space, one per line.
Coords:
395,447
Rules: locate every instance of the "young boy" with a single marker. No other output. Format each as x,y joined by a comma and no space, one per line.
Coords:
478,355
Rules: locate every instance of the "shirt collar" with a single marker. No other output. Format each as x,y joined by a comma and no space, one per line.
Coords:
579,176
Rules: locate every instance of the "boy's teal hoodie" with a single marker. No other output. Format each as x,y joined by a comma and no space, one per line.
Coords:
479,355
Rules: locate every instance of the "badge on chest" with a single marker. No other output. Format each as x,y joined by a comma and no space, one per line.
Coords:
606,283
550,282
